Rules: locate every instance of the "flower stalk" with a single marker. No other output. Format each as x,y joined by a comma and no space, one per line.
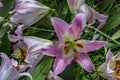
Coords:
104,34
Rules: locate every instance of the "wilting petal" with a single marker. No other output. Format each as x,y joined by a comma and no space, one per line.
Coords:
13,38
74,5
85,62
76,27
103,73
101,17
109,56
60,64
61,28
18,36
19,30
87,45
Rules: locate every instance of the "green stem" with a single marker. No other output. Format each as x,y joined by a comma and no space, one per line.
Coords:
46,30
104,34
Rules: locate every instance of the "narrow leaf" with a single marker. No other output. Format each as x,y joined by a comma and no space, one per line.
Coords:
42,70
116,35
113,22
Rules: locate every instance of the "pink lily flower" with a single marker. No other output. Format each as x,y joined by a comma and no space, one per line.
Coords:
110,69
52,76
28,12
10,70
79,6
28,48
69,46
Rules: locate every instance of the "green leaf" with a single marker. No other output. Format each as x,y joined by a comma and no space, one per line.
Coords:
84,78
113,22
107,4
4,41
7,6
116,35
68,73
4,29
42,70
5,44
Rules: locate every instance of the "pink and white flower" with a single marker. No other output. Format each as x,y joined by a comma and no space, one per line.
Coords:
28,48
10,70
28,12
69,47
79,6
110,69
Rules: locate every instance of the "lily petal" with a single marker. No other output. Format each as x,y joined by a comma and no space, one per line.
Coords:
19,30
26,19
101,17
108,56
5,62
85,61
89,45
89,18
18,36
117,56
19,45
26,5
35,62
13,38
25,74
34,46
28,12
61,28
52,76
35,43
76,27
52,50
74,5
6,69
60,64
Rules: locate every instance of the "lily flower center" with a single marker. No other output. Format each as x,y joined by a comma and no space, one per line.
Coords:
20,54
117,67
70,47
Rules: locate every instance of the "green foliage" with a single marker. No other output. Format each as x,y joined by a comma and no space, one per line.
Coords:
44,29
42,70
116,35
4,10
4,42
113,22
